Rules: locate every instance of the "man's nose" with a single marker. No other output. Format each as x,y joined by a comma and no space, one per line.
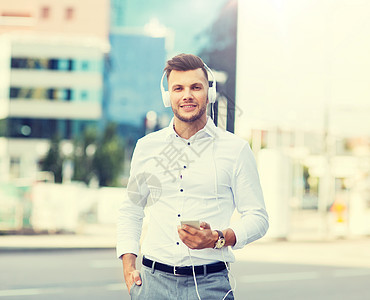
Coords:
187,94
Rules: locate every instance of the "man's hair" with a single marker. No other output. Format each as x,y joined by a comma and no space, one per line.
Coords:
185,62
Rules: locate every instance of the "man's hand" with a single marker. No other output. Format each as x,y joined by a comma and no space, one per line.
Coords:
198,238
129,270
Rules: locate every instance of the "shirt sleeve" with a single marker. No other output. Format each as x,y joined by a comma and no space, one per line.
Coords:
249,201
131,211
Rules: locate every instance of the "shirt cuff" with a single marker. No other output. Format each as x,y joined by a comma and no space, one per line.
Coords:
240,241
123,248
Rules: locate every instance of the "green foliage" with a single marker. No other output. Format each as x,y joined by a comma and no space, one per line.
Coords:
94,155
53,162
84,149
109,157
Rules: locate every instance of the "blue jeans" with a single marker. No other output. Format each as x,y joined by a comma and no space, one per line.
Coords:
158,285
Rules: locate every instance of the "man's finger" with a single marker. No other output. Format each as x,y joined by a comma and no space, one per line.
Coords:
189,229
136,276
205,225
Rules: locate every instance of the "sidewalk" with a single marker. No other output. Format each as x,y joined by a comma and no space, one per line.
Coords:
313,250
351,252
91,237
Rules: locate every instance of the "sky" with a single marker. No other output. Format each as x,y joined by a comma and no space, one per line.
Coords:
185,18
298,60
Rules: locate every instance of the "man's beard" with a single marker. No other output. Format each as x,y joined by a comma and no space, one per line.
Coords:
192,118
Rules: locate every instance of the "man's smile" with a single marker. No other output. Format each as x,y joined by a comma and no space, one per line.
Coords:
188,107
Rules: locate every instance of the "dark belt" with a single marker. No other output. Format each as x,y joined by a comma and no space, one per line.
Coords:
185,271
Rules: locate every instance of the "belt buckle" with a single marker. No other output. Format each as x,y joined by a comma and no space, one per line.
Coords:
175,271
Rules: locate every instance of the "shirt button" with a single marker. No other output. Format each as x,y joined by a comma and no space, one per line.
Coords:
180,176
181,190
179,215
184,167
177,243
188,143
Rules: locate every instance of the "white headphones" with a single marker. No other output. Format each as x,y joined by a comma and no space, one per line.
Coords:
212,94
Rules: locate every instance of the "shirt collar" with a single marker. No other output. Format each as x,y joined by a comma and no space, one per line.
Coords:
208,130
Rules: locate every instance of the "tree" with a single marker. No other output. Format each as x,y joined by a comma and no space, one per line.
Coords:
109,157
84,150
53,162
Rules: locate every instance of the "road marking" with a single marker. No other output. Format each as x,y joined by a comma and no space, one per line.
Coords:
274,277
29,292
38,291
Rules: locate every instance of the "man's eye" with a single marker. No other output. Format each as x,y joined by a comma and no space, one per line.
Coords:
177,89
197,88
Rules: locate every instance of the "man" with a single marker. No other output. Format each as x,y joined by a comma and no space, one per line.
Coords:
190,171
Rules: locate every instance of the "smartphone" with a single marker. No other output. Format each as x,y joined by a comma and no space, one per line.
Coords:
192,223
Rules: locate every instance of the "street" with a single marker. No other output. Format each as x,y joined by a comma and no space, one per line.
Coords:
96,274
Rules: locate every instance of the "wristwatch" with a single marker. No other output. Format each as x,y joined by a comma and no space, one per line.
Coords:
221,240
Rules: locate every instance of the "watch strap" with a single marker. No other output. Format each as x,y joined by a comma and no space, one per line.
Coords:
221,240
220,234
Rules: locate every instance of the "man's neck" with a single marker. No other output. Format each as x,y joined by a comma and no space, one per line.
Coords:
187,129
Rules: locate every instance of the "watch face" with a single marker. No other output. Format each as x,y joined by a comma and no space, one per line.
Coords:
220,243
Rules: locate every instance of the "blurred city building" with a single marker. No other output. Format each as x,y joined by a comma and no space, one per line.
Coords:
304,107
65,66
135,66
72,18
118,10
54,86
52,69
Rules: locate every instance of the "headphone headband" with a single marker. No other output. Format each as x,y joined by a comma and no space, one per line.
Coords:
212,93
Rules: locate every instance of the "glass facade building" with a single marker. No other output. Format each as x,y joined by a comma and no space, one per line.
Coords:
136,63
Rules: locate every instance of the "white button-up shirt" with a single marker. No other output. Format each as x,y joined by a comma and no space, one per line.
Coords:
203,178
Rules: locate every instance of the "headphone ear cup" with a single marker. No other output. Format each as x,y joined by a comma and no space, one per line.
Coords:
212,95
212,92
165,94
166,99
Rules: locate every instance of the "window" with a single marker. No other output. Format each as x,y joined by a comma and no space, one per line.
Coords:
30,63
68,129
69,13
47,128
40,93
14,92
53,64
45,12
70,64
63,64
85,65
19,63
42,63
83,95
